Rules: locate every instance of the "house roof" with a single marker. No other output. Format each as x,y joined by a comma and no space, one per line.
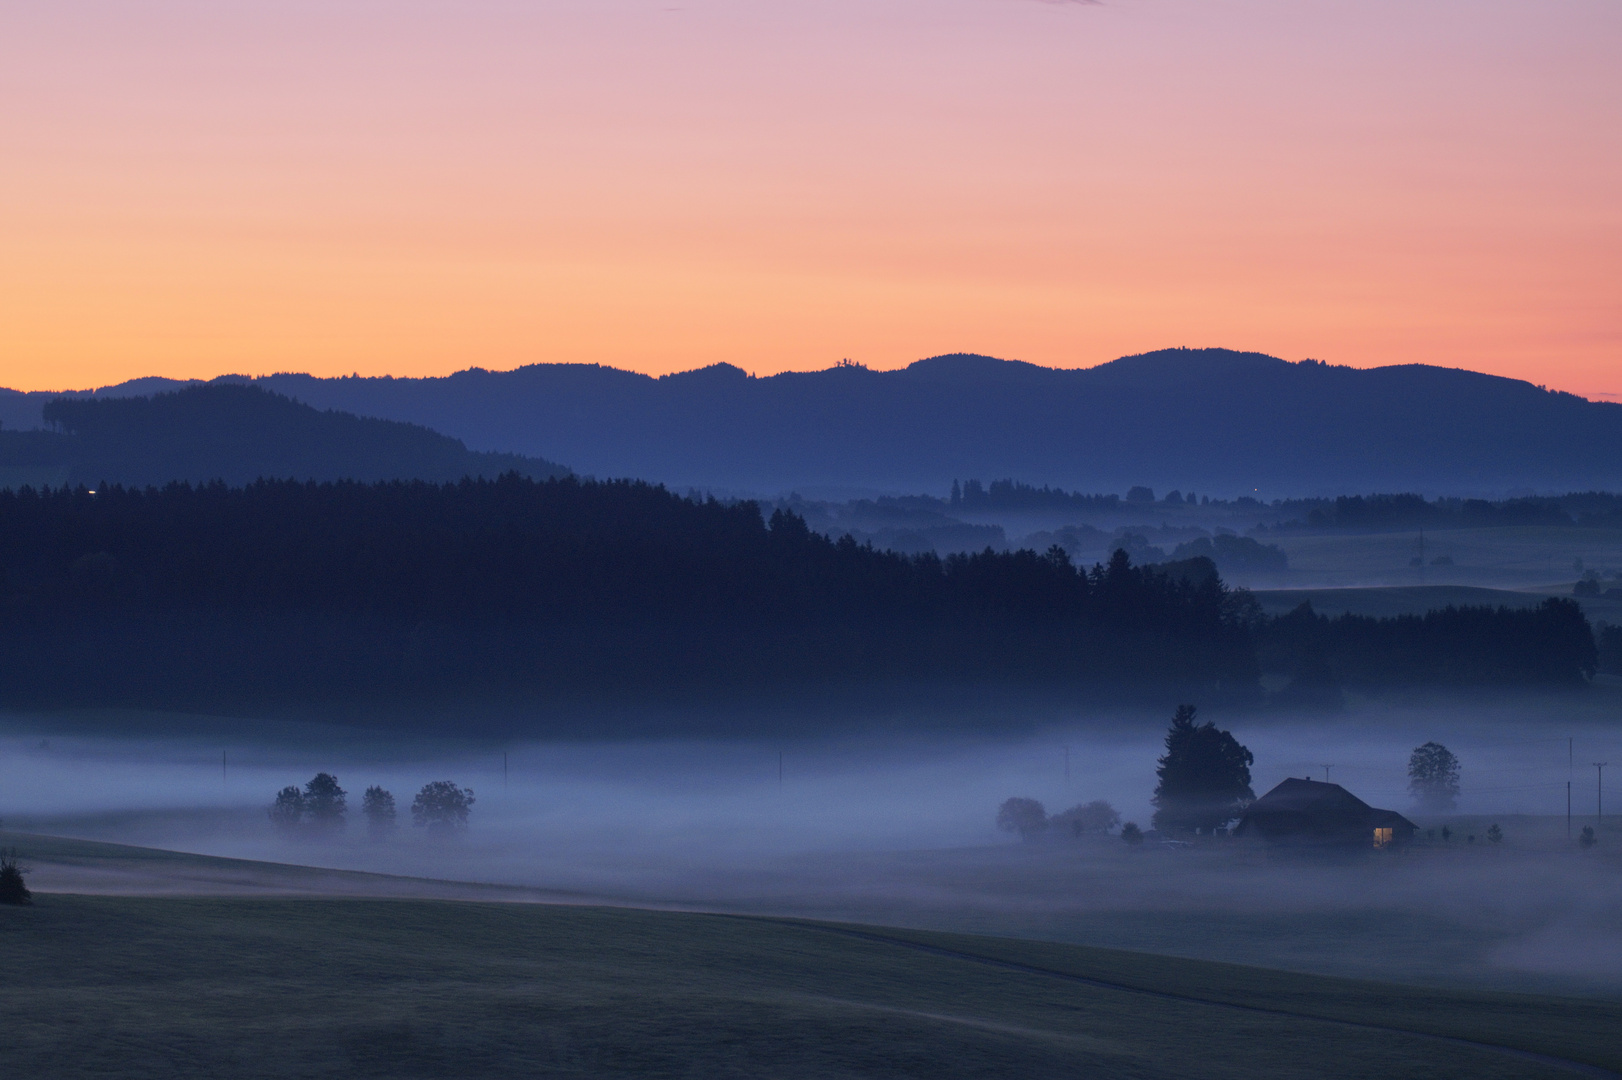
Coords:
1299,799
1309,797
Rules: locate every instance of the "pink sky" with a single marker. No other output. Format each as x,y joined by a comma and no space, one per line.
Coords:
411,187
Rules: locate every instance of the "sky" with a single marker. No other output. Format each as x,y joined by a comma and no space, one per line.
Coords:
412,187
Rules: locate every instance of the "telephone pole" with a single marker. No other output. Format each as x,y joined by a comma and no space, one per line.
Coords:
1326,769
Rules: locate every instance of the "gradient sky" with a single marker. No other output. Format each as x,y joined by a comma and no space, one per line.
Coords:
193,187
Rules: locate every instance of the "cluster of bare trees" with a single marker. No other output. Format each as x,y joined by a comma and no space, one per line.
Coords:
319,807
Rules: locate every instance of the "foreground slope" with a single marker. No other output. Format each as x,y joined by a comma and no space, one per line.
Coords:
1216,420
119,986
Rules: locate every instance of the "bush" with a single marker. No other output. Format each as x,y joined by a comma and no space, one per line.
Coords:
1495,835
1587,839
12,888
1132,834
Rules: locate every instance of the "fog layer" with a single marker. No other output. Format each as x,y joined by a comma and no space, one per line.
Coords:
901,829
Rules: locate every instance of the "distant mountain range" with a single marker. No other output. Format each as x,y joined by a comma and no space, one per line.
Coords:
1210,420
233,433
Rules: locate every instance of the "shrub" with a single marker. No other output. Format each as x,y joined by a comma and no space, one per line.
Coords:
1131,833
1495,835
1587,839
12,888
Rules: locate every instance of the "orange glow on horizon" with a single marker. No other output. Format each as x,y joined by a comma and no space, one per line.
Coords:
413,189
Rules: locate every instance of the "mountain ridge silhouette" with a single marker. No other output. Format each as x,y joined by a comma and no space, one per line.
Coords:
1218,421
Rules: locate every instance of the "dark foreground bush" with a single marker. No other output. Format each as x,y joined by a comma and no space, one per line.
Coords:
12,888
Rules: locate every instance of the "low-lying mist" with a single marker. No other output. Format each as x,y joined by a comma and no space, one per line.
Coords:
902,829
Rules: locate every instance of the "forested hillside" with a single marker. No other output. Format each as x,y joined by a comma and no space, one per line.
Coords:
237,434
283,592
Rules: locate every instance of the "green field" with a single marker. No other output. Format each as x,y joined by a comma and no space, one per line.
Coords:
311,986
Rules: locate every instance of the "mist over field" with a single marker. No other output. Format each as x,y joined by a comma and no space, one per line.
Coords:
900,828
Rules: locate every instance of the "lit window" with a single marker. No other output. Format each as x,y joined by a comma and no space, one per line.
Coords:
1382,837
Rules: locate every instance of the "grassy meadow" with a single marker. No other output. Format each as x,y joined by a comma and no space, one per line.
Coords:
243,986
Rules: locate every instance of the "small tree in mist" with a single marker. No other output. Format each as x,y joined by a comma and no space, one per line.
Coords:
1495,835
1587,838
378,806
441,805
1204,776
1433,777
1132,834
1024,816
12,888
287,812
1096,818
325,802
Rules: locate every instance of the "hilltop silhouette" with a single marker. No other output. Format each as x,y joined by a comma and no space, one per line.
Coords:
1208,419
237,434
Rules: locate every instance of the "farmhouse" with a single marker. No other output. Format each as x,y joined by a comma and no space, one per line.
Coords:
1306,813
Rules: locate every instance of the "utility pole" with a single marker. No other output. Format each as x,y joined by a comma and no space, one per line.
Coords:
1599,790
1326,769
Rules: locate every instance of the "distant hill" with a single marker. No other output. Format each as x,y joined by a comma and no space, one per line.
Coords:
237,434
1211,420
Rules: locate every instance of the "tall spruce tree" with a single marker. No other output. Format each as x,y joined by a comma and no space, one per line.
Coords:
1204,776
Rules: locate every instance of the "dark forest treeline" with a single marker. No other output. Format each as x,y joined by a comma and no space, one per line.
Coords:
237,433
287,592
1410,511
305,590
1457,646
1344,513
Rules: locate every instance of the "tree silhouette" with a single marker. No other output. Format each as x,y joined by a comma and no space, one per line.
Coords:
1433,777
378,806
1024,816
441,805
287,812
1204,776
1096,818
324,801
